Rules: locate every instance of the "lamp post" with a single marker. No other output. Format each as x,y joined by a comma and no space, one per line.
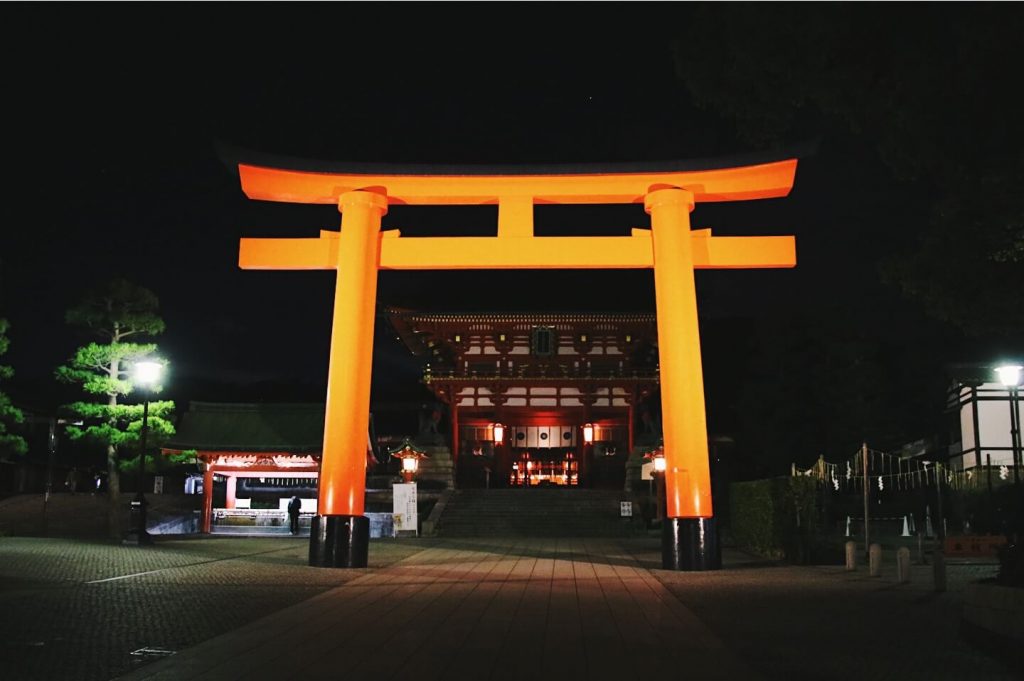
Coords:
146,374
657,456
410,458
1009,376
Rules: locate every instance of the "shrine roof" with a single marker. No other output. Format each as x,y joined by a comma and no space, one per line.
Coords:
407,323
277,427
521,317
234,156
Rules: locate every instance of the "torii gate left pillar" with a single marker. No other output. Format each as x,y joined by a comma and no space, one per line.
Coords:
340,532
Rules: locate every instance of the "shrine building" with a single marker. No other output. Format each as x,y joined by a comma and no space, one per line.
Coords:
549,399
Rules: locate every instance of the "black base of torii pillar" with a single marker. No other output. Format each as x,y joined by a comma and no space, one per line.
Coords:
341,541
690,544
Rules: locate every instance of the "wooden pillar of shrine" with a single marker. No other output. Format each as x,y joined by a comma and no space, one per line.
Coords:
206,517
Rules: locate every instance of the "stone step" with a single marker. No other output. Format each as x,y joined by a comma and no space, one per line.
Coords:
538,512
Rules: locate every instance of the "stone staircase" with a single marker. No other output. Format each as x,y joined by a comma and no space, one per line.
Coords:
538,512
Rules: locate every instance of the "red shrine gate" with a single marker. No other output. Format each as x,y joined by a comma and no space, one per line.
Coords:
340,534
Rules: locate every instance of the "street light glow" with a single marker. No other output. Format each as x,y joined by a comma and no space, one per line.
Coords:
148,372
1009,374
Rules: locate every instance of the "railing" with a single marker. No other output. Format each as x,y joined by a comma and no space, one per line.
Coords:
543,372
260,517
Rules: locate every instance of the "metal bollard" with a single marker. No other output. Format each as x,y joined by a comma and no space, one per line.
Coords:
851,555
903,565
875,560
939,570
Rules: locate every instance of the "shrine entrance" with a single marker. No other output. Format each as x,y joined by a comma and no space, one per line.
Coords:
544,456
558,468
668,192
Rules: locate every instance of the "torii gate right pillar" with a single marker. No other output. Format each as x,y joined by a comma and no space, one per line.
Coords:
689,539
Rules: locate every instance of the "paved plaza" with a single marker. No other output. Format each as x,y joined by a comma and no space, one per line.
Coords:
249,608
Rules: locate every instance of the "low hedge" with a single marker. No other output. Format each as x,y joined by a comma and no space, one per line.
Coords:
778,518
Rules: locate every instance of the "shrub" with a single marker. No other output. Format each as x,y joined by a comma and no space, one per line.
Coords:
777,518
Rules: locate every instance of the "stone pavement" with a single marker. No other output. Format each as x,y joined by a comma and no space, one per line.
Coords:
476,609
76,609
247,608
821,622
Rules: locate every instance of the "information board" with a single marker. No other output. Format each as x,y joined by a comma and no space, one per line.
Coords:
404,509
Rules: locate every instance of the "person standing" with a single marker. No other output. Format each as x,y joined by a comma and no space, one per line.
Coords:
294,506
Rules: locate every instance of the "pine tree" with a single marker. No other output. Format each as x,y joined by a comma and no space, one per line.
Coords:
120,313
9,414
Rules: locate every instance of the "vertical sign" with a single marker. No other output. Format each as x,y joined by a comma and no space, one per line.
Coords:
647,471
404,509
158,484
626,509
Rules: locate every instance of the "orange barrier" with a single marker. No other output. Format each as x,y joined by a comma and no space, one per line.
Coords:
970,545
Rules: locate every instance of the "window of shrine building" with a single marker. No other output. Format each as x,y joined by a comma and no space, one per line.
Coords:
543,341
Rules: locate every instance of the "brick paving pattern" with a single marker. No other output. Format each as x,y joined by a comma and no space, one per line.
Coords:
57,621
249,608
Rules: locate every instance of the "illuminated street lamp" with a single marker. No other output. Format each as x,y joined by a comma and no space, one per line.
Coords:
1009,376
657,457
499,433
410,458
588,433
146,375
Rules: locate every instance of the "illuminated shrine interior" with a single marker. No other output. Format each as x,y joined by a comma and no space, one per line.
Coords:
552,399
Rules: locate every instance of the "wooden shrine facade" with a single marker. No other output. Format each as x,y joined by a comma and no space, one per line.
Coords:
565,391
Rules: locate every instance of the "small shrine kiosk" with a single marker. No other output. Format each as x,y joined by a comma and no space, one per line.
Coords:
260,451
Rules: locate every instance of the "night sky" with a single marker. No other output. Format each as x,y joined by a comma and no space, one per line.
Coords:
115,167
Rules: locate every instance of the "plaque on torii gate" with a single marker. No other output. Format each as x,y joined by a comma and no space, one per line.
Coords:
340,531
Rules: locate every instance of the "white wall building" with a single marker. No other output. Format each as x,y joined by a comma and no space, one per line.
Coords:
985,432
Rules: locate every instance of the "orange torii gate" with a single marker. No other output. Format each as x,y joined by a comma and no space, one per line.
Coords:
340,533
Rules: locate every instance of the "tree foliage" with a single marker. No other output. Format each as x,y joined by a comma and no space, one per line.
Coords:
116,310
9,414
822,384
120,425
934,95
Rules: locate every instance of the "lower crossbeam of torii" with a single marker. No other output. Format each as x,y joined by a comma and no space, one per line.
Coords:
340,531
